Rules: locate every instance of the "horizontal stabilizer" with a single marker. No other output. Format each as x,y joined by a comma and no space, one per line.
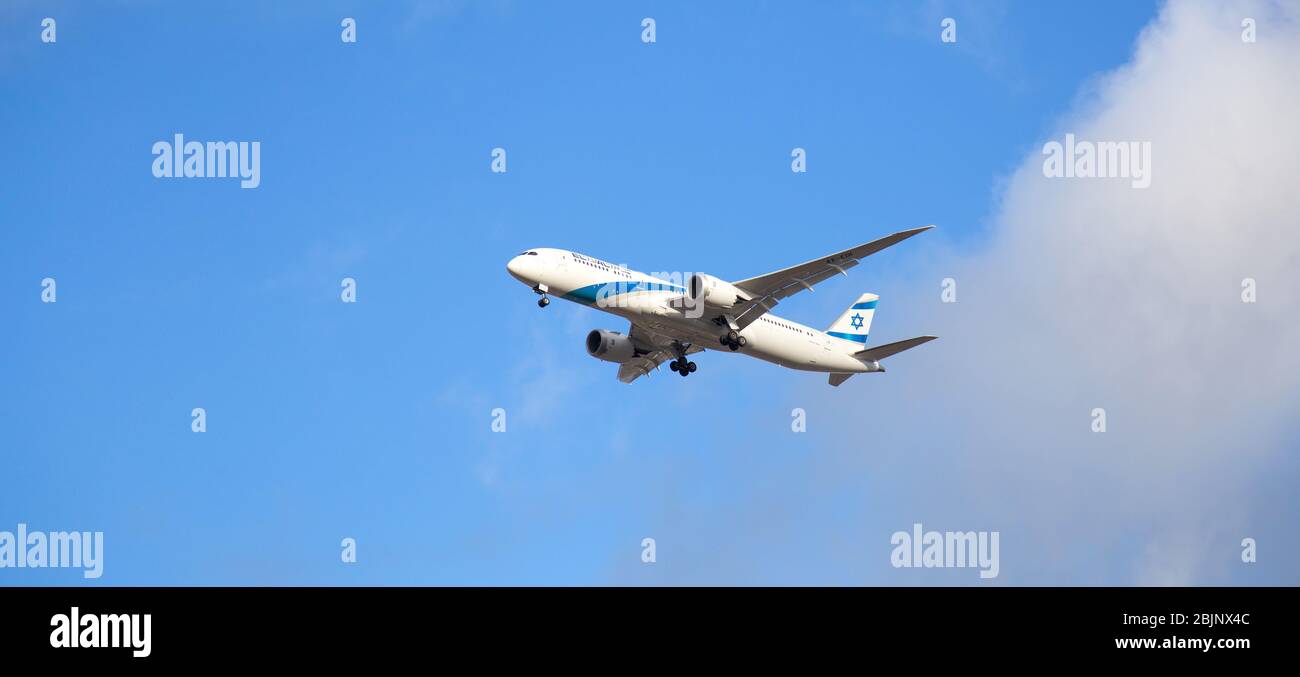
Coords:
881,352
837,379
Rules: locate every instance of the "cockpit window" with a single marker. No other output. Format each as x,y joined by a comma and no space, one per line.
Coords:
528,254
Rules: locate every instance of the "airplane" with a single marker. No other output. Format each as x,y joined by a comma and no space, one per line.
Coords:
671,321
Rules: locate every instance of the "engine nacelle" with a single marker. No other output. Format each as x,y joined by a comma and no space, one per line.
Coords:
715,293
610,346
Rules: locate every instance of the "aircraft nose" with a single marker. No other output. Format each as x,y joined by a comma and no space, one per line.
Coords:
519,267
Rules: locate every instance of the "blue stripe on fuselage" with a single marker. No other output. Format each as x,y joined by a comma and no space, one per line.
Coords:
590,293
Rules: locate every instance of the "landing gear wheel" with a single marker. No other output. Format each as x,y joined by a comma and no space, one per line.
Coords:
732,336
724,340
690,367
673,365
543,302
741,341
684,372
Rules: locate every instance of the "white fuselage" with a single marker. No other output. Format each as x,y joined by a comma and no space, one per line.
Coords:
664,308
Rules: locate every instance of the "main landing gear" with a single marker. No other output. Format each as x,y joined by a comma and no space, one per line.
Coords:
733,340
682,366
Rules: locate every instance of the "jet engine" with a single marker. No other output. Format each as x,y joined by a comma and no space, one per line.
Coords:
610,346
715,293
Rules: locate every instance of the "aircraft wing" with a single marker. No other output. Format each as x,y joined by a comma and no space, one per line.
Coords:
657,350
769,289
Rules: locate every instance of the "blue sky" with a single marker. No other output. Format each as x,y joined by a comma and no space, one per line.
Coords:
372,420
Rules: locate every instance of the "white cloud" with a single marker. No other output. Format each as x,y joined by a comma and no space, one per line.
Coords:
1095,294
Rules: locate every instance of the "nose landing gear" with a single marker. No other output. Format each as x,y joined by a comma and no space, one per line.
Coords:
542,302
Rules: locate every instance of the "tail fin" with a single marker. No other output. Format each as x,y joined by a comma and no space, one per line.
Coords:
854,324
